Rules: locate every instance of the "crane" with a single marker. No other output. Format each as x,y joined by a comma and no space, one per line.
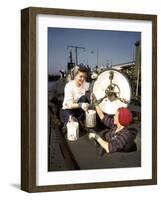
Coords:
76,52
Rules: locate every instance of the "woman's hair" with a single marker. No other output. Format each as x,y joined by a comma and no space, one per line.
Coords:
81,69
78,69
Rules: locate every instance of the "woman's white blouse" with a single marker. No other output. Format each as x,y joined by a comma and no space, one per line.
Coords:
72,93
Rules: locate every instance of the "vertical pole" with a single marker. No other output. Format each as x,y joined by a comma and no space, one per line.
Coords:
137,65
97,56
76,56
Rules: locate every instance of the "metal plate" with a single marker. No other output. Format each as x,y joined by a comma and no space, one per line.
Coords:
123,89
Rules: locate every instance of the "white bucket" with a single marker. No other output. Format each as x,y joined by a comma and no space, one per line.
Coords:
91,118
72,131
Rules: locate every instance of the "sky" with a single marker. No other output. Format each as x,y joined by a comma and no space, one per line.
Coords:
101,47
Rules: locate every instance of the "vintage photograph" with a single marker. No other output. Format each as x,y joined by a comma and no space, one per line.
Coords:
89,99
94,99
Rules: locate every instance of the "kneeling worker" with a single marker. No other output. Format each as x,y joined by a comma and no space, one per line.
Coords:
119,138
75,101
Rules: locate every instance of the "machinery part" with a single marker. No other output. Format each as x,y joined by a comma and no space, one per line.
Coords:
112,89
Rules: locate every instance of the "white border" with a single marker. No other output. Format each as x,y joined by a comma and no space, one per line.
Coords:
43,177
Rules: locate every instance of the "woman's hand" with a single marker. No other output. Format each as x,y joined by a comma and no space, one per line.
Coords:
84,106
96,104
104,144
93,136
94,100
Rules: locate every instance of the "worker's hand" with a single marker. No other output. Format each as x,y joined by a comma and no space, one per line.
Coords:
94,100
92,136
93,97
84,106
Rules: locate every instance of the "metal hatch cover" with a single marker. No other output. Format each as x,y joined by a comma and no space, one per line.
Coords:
112,89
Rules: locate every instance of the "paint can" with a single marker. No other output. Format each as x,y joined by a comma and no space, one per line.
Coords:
72,131
91,118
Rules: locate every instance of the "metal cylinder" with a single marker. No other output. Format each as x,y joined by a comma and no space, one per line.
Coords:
91,118
72,131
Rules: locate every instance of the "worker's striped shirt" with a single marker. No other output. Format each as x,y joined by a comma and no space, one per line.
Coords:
123,140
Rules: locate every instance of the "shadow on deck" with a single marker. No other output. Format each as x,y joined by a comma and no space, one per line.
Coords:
81,154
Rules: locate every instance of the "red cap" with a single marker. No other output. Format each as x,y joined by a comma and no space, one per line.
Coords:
125,116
